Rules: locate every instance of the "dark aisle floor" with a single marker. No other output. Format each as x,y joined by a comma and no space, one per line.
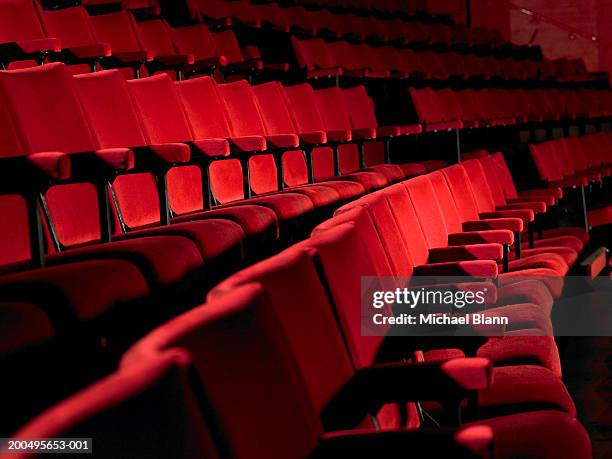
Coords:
587,372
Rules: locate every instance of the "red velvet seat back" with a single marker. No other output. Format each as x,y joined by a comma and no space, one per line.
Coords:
71,25
312,54
335,118
194,39
327,355
427,209
107,102
461,188
359,107
227,45
546,162
302,103
151,398
480,185
19,21
503,174
14,232
48,117
155,37
118,30
46,112
207,116
242,112
446,202
242,326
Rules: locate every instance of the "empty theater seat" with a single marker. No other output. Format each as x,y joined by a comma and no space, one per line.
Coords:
166,119
128,401
103,93
23,37
250,312
74,209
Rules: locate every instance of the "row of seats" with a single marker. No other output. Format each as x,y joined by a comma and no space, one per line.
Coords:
335,25
410,7
396,33
320,59
126,195
468,108
578,162
347,393
116,40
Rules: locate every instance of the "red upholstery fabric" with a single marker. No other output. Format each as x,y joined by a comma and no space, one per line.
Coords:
106,101
159,108
196,94
256,337
52,123
156,38
90,288
560,435
22,326
19,22
130,399
119,31
14,237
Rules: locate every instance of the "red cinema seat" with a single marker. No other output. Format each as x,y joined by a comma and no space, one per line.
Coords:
119,30
471,210
138,194
292,265
226,176
360,109
314,58
430,111
277,120
197,40
350,156
152,399
80,45
22,37
303,104
156,38
285,386
493,168
74,209
266,175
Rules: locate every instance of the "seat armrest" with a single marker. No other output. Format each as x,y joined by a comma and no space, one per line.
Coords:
501,236
283,141
490,251
33,171
363,134
527,215
102,164
339,136
511,224
472,268
174,60
549,200
313,138
537,207
158,157
85,52
448,382
462,443
570,182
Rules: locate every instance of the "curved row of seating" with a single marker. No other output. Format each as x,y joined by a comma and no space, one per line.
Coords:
578,162
468,108
112,38
319,59
225,378
125,200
